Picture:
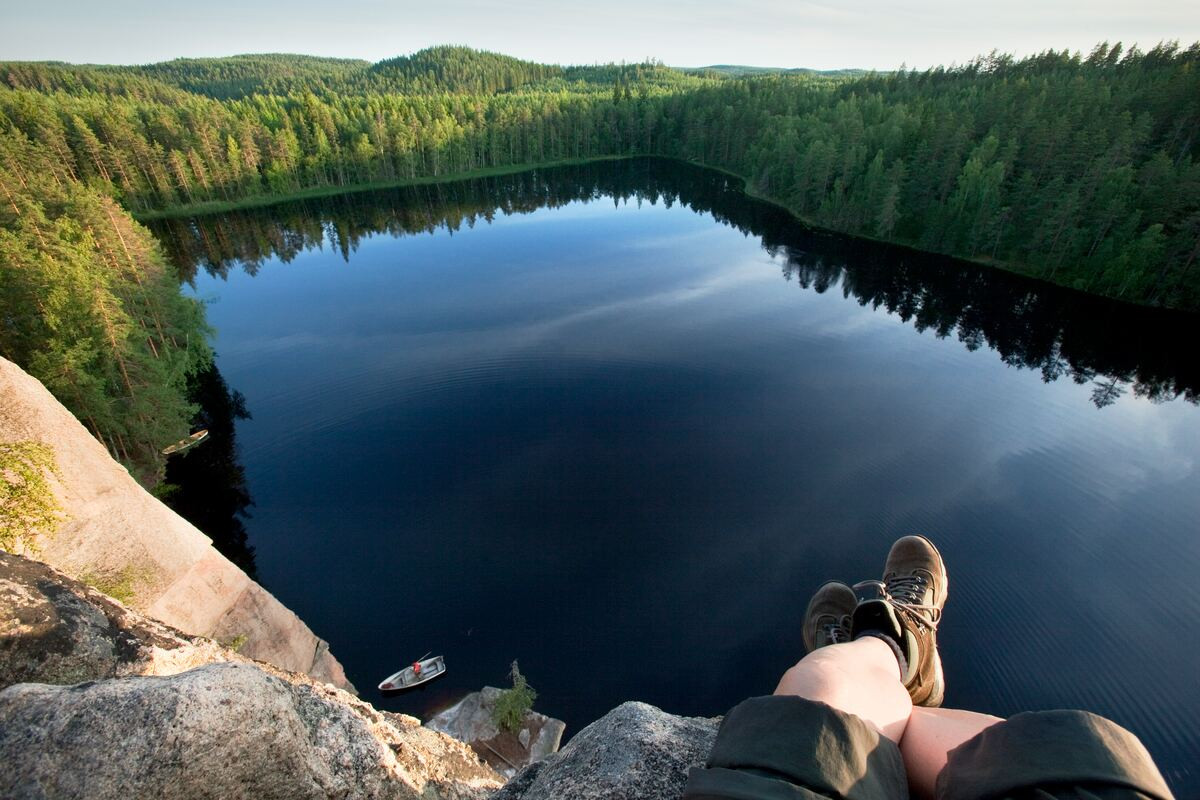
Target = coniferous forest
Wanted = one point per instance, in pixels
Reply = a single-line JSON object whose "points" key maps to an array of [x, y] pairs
{"points": [[1083, 170]]}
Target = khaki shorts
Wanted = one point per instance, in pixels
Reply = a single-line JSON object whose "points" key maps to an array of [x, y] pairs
{"points": [[778, 748]]}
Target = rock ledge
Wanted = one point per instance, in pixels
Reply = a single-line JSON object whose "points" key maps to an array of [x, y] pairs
{"points": [[155, 712], [633, 751]]}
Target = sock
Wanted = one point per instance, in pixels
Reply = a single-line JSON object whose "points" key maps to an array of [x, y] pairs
{"points": [[892, 643]]}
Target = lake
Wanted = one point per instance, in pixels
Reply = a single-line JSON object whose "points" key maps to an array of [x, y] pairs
{"points": [[619, 421]]}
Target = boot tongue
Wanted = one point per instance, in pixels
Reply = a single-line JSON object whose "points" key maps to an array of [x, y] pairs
{"points": [[876, 616], [874, 612]]}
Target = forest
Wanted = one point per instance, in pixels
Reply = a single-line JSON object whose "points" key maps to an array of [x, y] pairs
{"points": [[1082, 170]]}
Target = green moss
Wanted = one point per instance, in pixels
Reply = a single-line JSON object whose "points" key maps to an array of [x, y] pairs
{"points": [[27, 504], [120, 585], [236, 643]]}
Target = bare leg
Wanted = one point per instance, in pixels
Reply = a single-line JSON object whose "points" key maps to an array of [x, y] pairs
{"points": [[860, 678], [931, 733]]}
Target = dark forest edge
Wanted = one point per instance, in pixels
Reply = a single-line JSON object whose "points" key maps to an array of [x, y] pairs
{"points": [[318, 192], [1077, 170], [206, 485]]}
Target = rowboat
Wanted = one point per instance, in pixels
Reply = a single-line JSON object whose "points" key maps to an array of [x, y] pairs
{"points": [[411, 677], [184, 444]]}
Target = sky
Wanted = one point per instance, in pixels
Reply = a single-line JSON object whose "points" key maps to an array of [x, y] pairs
{"points": [[870, 34]]}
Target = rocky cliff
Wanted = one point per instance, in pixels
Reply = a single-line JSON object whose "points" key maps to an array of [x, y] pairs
{"points": [[113, 531], [99, 699], [153, 712], [150, 711]]}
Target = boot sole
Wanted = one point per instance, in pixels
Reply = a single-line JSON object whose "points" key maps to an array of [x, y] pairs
{"points": [[939, 687], [939, 680]]}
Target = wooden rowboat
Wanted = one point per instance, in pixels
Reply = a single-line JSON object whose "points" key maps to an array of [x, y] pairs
{"points": [[409, 678], [184, 444]]}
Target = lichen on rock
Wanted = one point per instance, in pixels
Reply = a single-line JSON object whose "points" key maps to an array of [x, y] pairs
{"points": [[28, 508]]}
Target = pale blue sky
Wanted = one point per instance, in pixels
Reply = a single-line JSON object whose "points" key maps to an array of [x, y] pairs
{"points": [[789, 33]]}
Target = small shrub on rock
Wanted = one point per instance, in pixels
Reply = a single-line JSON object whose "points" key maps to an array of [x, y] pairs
{"points": [[513, 704]]}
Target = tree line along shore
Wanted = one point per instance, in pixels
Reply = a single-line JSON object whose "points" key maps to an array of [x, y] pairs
{"points": [[1083, 170]]}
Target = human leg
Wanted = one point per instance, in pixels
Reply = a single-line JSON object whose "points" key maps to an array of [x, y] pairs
{"points": [[892, 662], [893, 654], [862, 677], [929, 736], [831, 728], [859, 678], [904, 610], [874, 659]]}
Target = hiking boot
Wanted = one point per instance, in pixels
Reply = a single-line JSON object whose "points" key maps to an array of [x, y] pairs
{"points": [[827, 619], [906, 607]]}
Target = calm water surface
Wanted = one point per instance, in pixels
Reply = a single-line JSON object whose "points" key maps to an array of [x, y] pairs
{"points": [[619, 422]]}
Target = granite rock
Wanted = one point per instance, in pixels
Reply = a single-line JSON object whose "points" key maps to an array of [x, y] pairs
{"points": [[156, 712], [57, 630], [634, 751], [223, 730]]}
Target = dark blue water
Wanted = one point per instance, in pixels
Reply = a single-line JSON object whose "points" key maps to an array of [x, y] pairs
{"points": [[623, 440]]}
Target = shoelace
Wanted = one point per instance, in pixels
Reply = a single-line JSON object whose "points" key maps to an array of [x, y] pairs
{"points": [[837, 629], [905, 593]]}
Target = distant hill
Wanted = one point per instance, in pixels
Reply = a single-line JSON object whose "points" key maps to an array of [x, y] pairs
{"points": [[468, 71], [442, 69], [256, 73], [743, 71], [224, 78], [462, 69]]}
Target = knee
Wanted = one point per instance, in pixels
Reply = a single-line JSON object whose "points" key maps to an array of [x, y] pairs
{"points": [[818, 676]]}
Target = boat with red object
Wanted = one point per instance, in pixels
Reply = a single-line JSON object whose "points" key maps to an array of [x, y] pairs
{"points": [[423, 670]]}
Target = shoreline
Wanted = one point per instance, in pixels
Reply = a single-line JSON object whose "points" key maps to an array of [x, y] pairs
{"points": [[209, 207]]}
